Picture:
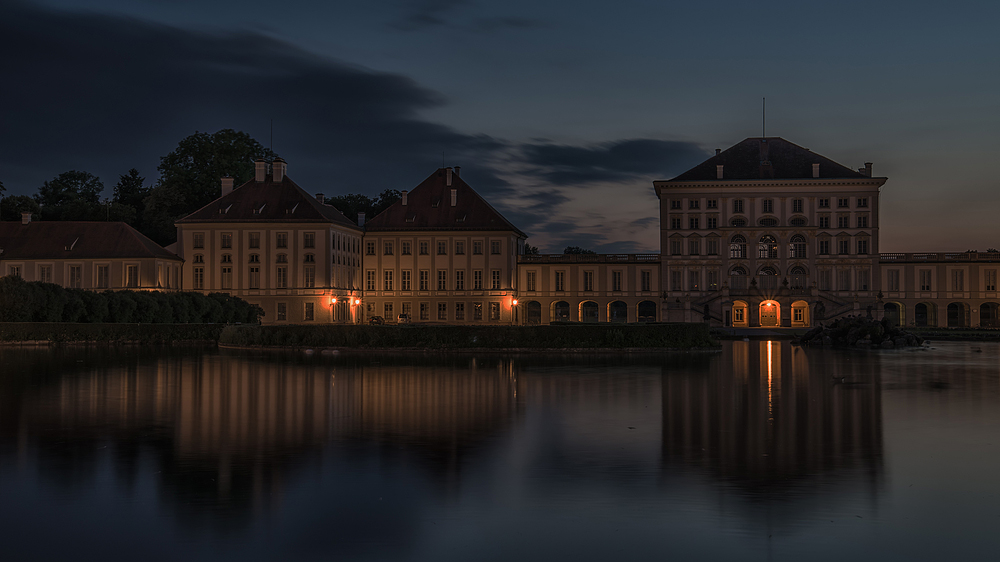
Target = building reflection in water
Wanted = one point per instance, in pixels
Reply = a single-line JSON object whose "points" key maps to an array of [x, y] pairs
{"points": [[777, 421]]}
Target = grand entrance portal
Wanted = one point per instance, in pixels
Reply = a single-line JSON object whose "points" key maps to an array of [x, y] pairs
{"points": [[769, 314]]}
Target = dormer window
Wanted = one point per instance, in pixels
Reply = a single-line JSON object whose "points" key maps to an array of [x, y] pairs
{"points": [[436, 203]]}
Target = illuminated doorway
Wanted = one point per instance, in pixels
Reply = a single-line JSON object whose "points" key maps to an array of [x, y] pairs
{"points": [[769, 314], [800, 314], [740, 314]]}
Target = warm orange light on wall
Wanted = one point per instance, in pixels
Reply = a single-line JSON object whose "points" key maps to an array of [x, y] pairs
{"points": [[514, 302]]}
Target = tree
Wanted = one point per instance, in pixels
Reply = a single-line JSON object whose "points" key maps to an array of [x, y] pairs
{"points": [[530, 250], [190, 174], [130, 192], [354, 203], [577, 250], [11, 207], [72, 195]]}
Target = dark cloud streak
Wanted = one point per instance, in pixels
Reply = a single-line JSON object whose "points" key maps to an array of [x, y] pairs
{"points": [[613, 161]]}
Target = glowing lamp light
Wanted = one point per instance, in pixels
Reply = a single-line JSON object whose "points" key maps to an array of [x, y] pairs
{"points": [[514, 302], [333, 300], [357, 301]]}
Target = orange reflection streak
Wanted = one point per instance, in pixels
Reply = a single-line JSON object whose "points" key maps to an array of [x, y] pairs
{"points": [[770, 411]]}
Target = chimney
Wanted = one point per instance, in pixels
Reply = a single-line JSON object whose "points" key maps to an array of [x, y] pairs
{"points": [[321, 198], [448, 178], [25, 217], [868, 169], [816, 170], [227, 185], [278, 169], [718, 172], [454, 197], [457, 170], [260, 170], [361, 219], [404, 197], [718, 151]]}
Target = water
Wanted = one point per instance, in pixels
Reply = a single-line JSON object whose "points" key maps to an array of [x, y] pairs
{"points": [[764, 451]]}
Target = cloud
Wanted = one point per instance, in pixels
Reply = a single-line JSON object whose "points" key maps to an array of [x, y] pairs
{"points": [[611, 161], [421, 14]]}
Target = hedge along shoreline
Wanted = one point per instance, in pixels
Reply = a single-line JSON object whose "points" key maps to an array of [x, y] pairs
{"points": [[43, 333], [619, 337], [34, 301]]}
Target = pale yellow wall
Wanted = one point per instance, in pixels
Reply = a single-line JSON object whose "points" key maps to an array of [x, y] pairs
{"points": [[154, 273]]}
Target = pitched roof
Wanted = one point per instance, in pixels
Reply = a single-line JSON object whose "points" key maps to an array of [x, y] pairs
{"points": [[48, 240], [766, 158], [268, 201], [428, 207]]}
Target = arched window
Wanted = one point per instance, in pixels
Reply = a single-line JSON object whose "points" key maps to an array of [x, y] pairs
{"points": [[767, 248], [767, 277], [797, 247], [767, 270], [738, 278], [738, 247], [738, 222], [768, 221], [797, 270], [799, 277]]}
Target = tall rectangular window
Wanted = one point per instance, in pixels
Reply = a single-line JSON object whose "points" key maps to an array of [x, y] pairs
{"points": [[387, 249], [282, 312], [925, 280], [459, 280], [675, 280], [712, 246], [694, 280], [227, 277], [560, 280], [824, 221], [647, 280], [459, 248], [309, 312], [862, 246], [281, 240], [281, 277], [713, 279], [104, 276], [424, 247], [425, 311], [494, 312], [529, 281], [712, 223], [990, 278], [495, 247], [387, 311], [824, 203], [892, 279], [477, 311], [75, 277], [309, 240], [199, 240], [132, 275], [844, 246], [442, 248], [370, 280], [404, 248], [495, 279], [712, 204], [309, 276], [460, 311], [737, 205], [676, 246], [957, 280], [694, 246], [824, 247], [843, 279], [15, 270], [370, 248], [844, 221], [424, 279], [442, 311], [254, 280], [588, 280], [862, 221], [796, 205], [226, 240], [477, 280], [616, 280], [825, 280], [442, 280], [404, 280], [694, 203], [863, 279], [477, 247], [254, 240], [693, 223], [767, 205], [862, 201], [387, 280], [675, 204]]}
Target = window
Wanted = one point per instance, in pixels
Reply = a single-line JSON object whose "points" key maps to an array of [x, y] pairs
{"points": [[675, 280], [281, 258], [797, 247], [862, 246], [925, 280], [844, 280], [495, 279], [309, 258], [738, 247], [863, 277], [425, 311], [796, 205], [824, 221], [676, 247], [387, 249], [798, 221], [693, 223], [281, 277], [387, 311], [675, 223], [560, 280], [404, 248], [308, 314], [712, 246], [199, 258], [75, 277], [477, 280], [254, 240], [459, 248], [404, 280], [616, 280], [227, 277], [477, 247], [442, 248], [824, 203], [825, 280], [309, 240], [693, 203], [767, 248], [370, 280], [892, 276], [15, 270], [862, 201], [226, 240], [477, 311], [282, 311], [254, 258], [131, 275], [459, 311], [713, 279], [990, 277], [768, 221], [738, 222], [442, 280], [646, 280], [957, 280], [530, 281], [494, 311], [460, 280], [104, 276], [843, 202], [588, 280], [737, 205], [281, 241], [675, 204], [862, 221], [309, 276], [424, 248], [442, 311], [254, 277], [370, 248], [843, 246], [407, 310], [387, 280], [227, 258], [199, 240], [694, 280], [712, 204], [713, 222], [495, 247], [694, 246], [425, 277], [767, 205]]}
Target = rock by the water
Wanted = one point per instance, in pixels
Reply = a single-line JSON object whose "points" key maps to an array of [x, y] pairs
{"points": [[860, 332]]}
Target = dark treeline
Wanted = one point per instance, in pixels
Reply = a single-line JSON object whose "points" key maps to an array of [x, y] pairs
{"points": [[23, 301]]}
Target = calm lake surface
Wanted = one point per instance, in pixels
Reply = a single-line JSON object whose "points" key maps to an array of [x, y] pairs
{"points": [[763, 451]]}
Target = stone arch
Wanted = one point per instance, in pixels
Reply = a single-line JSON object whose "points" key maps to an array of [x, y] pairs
{"points": [[533, 312], [925, 314], [740, 314], [769, 313], [958, 315], [988, 315], [645, 311], [800, 314], [589, 312], [559, 312], [617, 312], [895, 313]]}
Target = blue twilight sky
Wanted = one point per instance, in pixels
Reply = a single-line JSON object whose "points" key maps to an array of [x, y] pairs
{"points": [[560, 113]]}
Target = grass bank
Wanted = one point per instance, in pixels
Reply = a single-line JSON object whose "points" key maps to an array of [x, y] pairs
{"points": [[66, 332], [577, 336]]}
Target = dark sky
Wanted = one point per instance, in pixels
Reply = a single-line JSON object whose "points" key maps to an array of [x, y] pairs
{"points": [[561, 113]]}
